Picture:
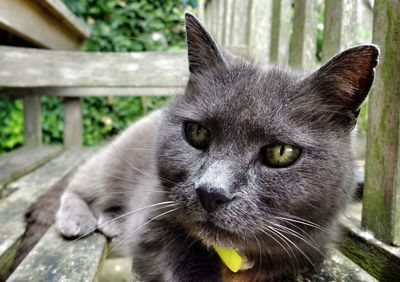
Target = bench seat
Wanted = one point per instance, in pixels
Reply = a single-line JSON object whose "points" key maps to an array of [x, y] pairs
{"points": [[56, 259]]}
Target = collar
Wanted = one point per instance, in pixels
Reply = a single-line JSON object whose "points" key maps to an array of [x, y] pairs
{"points": [[233, 260]]}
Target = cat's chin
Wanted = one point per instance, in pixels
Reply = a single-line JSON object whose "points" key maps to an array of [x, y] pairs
{"points": [[211, 234]]}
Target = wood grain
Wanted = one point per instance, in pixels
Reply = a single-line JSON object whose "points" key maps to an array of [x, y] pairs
{"points": [[24, 67]]}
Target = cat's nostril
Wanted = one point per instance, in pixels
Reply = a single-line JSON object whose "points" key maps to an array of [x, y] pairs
{"points": [[211, 200]]}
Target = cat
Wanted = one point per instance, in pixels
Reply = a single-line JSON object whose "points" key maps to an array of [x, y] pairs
{"points": [[252, 158]]}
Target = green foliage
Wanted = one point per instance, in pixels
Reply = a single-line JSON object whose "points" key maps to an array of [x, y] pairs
{"points": [[320, 29], [11, 123], [107, 117], [116, 26], [362, 120], [121, 26], [52, 119], [131, 25]]}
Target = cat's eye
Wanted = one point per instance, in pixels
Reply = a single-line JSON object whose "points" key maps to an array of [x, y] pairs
{"points": [[280, 155], [197, 135]]}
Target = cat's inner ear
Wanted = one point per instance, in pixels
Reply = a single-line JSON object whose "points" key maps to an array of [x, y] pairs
{"points": [[347, 77], [203, 52]]}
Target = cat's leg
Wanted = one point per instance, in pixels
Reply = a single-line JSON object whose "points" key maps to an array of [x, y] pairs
{"points": [[110, 222], [167, 253], [74, 217]]}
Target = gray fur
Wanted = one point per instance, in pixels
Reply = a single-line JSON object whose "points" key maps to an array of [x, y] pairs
{"points": [[246, 107]]}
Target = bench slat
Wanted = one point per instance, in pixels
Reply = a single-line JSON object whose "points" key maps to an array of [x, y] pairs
{"points": [[13, 208], [24, 160], [338, 267], [379, 259], [94, 91], [56, 259], [24, 67]]}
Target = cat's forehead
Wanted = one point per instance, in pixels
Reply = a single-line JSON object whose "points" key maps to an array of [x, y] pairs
{"points": [[243, 92], [244, 101]]}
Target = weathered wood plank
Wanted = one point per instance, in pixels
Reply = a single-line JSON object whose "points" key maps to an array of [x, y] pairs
{"points": [[207, 15], [213, 18], [220, 21], [239, 30], [32, 22], [31, 186], [56, 259], [24, 160], [24, 67], [118, 269], [381, 203], [202, 6], [280, 32], [377, 258], [338, 267], [304, 41], [228, 17], [95, 91], [32, 121], [339, 27], [259, 29], [61, 11], [73, 122]]}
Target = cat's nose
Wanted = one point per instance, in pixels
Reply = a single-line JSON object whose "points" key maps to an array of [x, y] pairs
{"points": [[211, 199]]}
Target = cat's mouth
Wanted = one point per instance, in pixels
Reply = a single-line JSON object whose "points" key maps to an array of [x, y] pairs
{"points": [[212, 233], [212, 227]]}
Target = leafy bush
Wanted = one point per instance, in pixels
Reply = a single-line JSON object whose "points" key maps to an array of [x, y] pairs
{"points": [[116, 26], [11, 123], [131, 25]]}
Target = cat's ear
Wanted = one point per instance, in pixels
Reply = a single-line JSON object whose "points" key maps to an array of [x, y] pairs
{"points": [[347, 78], [203, 52]]}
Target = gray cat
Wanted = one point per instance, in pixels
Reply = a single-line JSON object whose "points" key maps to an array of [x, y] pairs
{"points": [[254, 159]]}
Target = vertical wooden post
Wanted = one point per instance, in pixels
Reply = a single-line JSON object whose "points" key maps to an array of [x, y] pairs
{"points": [[207, 15], [214, 17], [259, 28], [239, 33], [202, 11], [381, 200], [303, 41], [280, 31], [228, 22], [73, 126], [32, 124], [339, 26], [220, 21]]}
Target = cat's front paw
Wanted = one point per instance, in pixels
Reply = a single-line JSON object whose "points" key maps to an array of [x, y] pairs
{"points": [[72, 225], [109, 225]]}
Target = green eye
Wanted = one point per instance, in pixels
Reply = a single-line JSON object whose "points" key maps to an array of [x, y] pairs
{"points": [[196, 135], [280, 155]]}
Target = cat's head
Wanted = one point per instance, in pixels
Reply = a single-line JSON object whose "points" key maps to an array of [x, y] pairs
{"points": [[259, 152]]}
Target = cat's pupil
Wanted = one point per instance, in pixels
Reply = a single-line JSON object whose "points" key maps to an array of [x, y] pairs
{"points": [[282, 150], [196, 135], [280, 155]]}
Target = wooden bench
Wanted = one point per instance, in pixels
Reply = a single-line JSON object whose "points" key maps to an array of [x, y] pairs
{"points": [[28, 172]]}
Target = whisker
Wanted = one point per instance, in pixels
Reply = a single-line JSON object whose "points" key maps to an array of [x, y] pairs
{"points": [[121, 216], [134, 167], [130, 191], [139, 228], [302, 231], [293, 218], [123, 179], [297, 235], [260, 258], [139, 149], [283, 247], [290, 241], [304, 222]]}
